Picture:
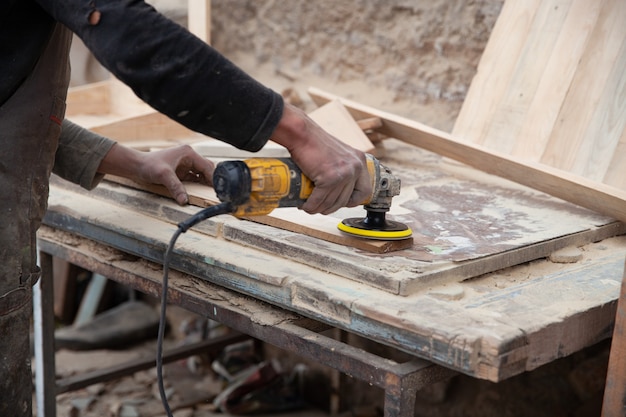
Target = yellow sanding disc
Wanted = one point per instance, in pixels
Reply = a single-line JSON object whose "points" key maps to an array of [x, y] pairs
{"points": [[355, 227]]}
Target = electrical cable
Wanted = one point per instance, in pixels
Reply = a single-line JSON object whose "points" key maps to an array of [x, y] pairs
{"points": [[223, 208]]}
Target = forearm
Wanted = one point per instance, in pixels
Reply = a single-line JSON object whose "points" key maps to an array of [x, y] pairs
{"points": [[167, 167], [79, 155], [122, 161]]}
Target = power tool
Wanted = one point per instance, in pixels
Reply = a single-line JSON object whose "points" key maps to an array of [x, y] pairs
{"points": [[256, 186]]}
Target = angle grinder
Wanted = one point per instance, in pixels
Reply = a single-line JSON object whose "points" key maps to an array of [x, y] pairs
{"points": [[256, 186]]}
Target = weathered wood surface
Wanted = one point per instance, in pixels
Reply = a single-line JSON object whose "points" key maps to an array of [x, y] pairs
{"points": [[465, 223], [491, 327], [551, 88]]}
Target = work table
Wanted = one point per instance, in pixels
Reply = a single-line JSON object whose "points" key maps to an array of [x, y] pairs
{"points": [[489, 325]]}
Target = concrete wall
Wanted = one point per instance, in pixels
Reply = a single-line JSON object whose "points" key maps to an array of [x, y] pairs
{"points": [[419, 50]]}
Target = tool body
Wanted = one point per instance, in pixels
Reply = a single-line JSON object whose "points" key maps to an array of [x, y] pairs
{"points": [[257, 186]]}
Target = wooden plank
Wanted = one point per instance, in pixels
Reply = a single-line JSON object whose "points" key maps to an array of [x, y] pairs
{"points": [[502, 128], [537, 125], [542, 321], [575, 189], [337, 121], [294, 220], [199, 19], [563, 102], [614, 404], [213, 148], [465, 223], [588, 84], [608, 121], [496, 67], [615, 175]]}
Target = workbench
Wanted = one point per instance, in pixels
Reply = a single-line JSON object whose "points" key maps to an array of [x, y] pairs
{"points": [[449, 315]]}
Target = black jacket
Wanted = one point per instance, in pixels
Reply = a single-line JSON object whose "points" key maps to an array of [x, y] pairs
{"points": [[169, 68]]}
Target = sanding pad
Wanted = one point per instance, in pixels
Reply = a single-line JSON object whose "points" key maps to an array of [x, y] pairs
{"points": [[387, 230]]}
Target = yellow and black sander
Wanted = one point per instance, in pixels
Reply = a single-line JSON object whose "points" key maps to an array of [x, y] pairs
{"points": [[256, 186]]}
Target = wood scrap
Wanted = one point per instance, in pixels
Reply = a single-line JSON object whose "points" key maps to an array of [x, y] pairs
{"points": [[567, 186], [337, 121]]}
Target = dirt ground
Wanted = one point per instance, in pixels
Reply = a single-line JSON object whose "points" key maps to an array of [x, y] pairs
{"points": [[414, 59]]}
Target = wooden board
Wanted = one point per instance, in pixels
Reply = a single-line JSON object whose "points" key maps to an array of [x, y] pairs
{"points": [[551, 88], [321, 227], [335, 119], [199, 19], [464, 222]]}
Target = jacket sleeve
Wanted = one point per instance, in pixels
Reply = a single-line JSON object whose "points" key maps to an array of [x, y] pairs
{"points": [[79, 154], [172, 70]]}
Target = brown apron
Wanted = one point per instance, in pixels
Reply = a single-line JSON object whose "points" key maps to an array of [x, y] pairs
{"points": [[30, 124]]}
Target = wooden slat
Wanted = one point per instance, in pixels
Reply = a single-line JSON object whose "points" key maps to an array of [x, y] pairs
{"points": [[557, 95], [500, 133], [585, 93], [336, 120], [321, 227], [199, 19], [614, 404], [497, 65], [575, 189], [616, 176], [537, 125]]}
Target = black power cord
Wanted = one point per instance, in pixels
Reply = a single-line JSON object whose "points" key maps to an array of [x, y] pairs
{"points": [[223, 208]]}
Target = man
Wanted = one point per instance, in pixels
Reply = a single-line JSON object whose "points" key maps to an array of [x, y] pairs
{"points": [[167, 67]]}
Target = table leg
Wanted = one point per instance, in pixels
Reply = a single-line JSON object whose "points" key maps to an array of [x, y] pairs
{"points": [[615, 389], [43, 315]]}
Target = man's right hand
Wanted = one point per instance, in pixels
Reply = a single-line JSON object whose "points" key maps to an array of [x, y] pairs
{"points": [[338, 171]]}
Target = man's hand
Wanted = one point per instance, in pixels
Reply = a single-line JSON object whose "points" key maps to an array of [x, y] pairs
{"points": [[168, 167], [338, 171]]}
